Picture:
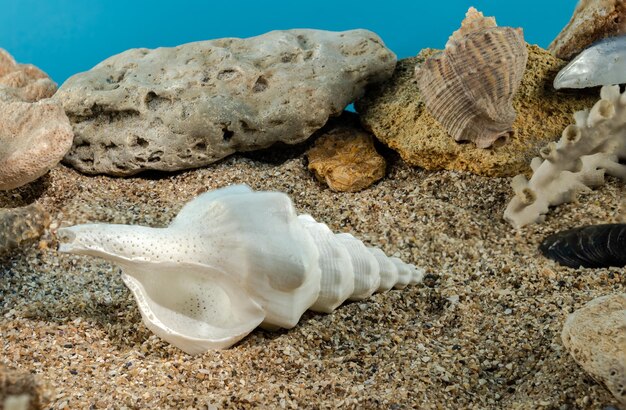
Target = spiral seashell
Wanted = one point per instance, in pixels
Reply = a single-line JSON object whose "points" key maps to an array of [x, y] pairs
{"points": [[595, 246], [234, 259], [469, 87]]}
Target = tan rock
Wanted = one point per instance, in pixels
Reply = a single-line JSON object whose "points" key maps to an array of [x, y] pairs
{"points": [[34, 137], [395, 114], [592, 20], [19, 226], [345, 158], [21, 390], [595, 336], [23, 82]]}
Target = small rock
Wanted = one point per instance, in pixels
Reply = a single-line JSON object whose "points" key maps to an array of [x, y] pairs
{"points": [[34, 138], [345, 158], [188, 106], [21, 390], [595, 336], [395, 114], [592, 20], [21, 225], [23, 82]]}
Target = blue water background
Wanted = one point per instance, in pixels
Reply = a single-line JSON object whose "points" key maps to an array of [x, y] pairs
{"points": [[64, 37]]}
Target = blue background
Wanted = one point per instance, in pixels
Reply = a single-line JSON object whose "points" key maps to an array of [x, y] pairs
{"points": [[64, 37]]}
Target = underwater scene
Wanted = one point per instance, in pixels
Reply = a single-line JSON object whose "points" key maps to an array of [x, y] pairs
{"points": [[356, 205]]}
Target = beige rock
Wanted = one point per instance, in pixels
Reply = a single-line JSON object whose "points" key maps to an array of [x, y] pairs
{"points": [[345, 158], [18, 226], [34, 137], [188, 106], [592, 20], [21, 390], [395, 114], [23, 82], [595, 336]]}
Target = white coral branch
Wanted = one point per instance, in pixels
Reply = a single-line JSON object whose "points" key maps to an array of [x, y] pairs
{"points": [[587, 150]]}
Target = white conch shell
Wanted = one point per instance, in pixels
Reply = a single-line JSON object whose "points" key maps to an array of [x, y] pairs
{"points": [[604, 63], [233, 259]]}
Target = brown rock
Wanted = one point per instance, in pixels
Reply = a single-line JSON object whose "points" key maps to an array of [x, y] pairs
{"points": [[34, 137], [395, 114], [595, 336], [21, 390], [23, 82], [19, 226], [345, 158], [592, 20]]}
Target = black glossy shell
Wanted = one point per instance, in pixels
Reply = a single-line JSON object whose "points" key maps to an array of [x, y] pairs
{"points": [[594, 246]]}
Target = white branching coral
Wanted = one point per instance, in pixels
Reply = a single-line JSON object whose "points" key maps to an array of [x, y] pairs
{"points": [[576, 163]]}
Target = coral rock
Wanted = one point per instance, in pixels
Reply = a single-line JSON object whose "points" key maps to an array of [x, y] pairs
{"points": [[19, 226], [23, 82], [595, 336], [469, 88], [184, 107], [395, 114], [592, 20], [346, 159], [34, 137], [592, 147]]}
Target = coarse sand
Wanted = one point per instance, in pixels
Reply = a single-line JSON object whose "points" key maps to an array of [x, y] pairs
{"points": [[482, 331]]}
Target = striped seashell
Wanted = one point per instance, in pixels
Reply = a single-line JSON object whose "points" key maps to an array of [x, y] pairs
{"points": [[234, 259], [469, 87]]}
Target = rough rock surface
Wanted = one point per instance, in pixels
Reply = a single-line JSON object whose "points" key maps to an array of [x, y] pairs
{"points": [[23, 82], [344, 157], [595, 335], [21, 225], [21, 390], [34, 137], [592, 20], [188, 106], [395, 114]]}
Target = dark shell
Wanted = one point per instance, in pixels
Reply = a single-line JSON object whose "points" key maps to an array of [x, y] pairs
{"points": [[595, 246]]}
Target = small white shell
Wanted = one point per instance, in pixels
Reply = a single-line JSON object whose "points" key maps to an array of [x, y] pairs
{"points": [[233, 259]]}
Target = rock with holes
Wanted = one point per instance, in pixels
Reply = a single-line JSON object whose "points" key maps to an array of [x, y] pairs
{"points": [[595, 336], [23, 82], [395, 113], [188, 106]]}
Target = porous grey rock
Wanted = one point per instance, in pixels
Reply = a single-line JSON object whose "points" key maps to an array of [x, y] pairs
{"points": [[188, 106], [595, 336]]}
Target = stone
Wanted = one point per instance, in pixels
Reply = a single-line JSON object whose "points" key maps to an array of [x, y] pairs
{"points": [[34, 137], [177, 108], [21, 390], [394, 113], [23, 82], [595, 336], [344, 157], [20, 226], [592, 20]]}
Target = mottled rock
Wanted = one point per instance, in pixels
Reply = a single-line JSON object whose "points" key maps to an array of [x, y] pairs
{"points": [[595, 336], [21, 390], [34, 137], [188, 106], [19, 226], [344, 157], [394, 113], [23, 82], [592, 20]]}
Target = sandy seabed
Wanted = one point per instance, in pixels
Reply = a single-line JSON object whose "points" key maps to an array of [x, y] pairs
{"points": [[482, 331]]}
